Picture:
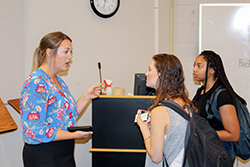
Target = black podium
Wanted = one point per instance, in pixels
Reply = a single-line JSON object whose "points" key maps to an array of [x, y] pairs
{"points": [[117, 140]]}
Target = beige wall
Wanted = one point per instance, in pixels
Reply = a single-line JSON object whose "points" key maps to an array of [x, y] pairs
{"points": [[12, 48], [124, 44]]}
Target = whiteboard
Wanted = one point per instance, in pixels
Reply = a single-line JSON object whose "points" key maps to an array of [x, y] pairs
{"points": [[225, 29]]}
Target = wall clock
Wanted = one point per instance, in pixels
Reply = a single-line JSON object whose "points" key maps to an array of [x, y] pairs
{"points": [[105, 8]]}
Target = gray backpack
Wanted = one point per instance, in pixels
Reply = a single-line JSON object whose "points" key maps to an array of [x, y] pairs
{"points": [[203, 147]]}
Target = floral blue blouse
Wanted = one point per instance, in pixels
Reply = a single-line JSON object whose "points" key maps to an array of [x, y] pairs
{"points": [[45, 108]]}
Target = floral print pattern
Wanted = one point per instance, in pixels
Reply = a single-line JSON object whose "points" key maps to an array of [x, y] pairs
{"points": [[45, 108]]}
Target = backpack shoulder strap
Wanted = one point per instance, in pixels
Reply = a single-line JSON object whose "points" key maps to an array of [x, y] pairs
{"points": [[211, 105], [176, 107]]}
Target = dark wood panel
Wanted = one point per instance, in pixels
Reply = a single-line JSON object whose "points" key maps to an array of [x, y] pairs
{"points": [[15, 103], [103, 159]]}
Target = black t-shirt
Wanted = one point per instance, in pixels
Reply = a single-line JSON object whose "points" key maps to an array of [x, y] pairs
{"points": [[201, 100]]}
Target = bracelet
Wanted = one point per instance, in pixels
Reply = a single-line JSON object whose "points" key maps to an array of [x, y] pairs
{"points": [[147, 138]]}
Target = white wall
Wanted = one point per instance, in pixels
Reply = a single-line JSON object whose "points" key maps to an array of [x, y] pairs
{"points": [[186, 39], [128, 51], [11, 75], [12, 48]]}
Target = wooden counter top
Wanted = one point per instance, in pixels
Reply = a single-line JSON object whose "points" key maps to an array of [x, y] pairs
{"points": [[15, 103]]}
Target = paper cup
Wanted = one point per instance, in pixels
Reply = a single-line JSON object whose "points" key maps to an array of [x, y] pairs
{"points": [[118, 91]]}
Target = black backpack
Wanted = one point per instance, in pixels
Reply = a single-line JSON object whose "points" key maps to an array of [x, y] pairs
{"points": [[203, 147], [242, 147]]}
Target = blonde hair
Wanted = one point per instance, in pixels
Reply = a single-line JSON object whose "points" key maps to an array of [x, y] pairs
{"points": [[50, 41]]}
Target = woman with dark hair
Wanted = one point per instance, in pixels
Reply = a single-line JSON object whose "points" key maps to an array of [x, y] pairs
{"points": [[165, 134], [47, 108], [208, 69]]}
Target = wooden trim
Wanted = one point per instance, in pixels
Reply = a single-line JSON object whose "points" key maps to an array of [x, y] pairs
{"points": [[117, 150], [171, 39], [127, 96], [7, 123], [15, 103]]}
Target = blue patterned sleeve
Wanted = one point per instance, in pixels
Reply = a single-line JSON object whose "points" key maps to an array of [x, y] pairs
{"points": [[37, 128]]}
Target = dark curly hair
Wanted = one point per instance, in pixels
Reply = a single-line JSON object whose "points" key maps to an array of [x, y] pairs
{"points": [[170, 84]]}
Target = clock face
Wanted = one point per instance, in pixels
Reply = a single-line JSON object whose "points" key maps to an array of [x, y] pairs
{"points": [[105, 8]]}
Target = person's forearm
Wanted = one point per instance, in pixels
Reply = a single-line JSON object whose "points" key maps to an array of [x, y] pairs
{"points": [[225, 136], [146, 137], [82, 103], [64, 135]]}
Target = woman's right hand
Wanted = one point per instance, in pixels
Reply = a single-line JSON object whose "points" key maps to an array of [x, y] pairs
{"points": [[65, 135]]}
